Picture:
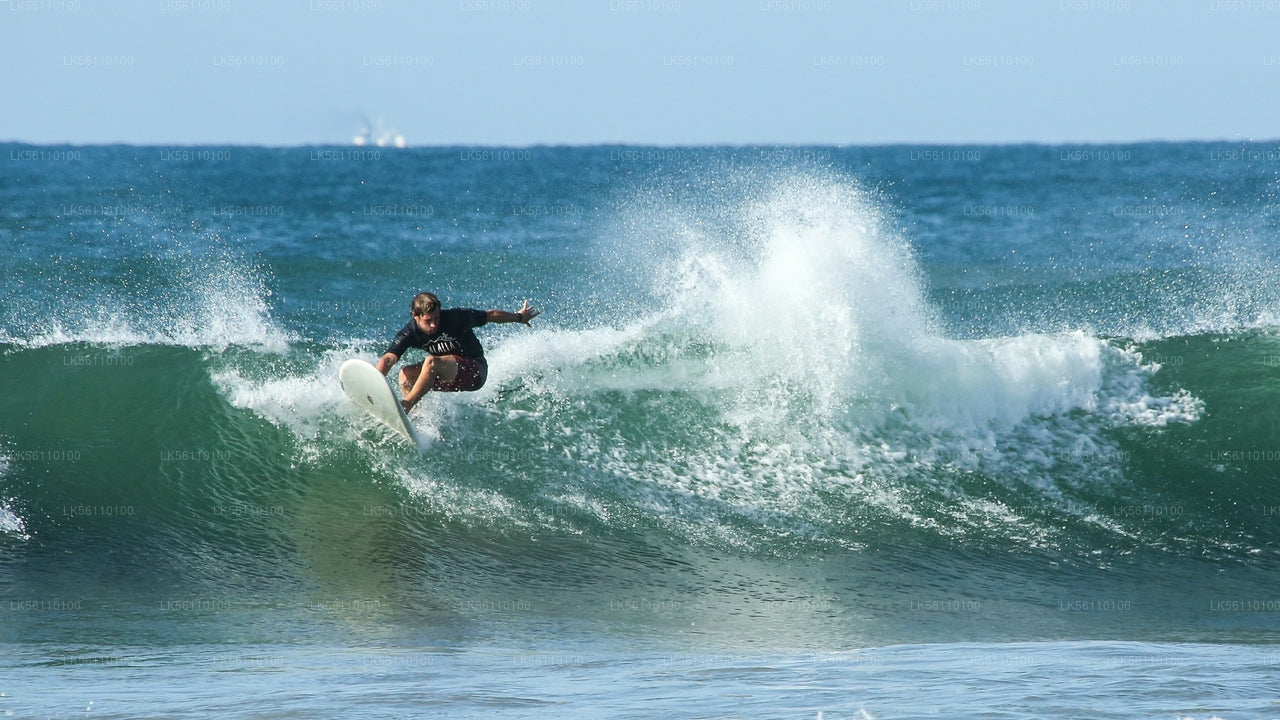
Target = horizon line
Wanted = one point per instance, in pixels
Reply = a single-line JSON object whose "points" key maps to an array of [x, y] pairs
{"points": [[588, 145]]}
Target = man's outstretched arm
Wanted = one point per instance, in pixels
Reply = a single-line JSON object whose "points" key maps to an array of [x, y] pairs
{"points": [[526, 313]]}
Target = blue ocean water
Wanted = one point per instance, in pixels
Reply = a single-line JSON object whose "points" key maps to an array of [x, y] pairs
{"points": [[969, 431]]}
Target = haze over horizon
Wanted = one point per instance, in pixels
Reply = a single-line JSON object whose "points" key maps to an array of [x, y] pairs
{"points": [[644, 72]]}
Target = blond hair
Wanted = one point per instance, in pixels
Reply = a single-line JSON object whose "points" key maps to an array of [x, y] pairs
{"points": [[424, 303]]}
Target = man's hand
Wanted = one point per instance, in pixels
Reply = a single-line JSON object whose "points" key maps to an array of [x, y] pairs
{"points": [[528, 312]]}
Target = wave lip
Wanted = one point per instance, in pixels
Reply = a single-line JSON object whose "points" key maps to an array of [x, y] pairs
{"points": [[208, 300], [812, 308]]}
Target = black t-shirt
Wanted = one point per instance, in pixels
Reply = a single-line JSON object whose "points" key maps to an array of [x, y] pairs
{"points": [[453, 335]]}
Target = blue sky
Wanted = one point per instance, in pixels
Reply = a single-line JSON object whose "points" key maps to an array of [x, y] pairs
{"points": [[667, 72]]}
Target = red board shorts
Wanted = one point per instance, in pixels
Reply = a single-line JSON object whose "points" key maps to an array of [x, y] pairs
{"points": [[471, 376]]}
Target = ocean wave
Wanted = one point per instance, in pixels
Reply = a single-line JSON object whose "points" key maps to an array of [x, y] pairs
{"points": [[780, 380]]}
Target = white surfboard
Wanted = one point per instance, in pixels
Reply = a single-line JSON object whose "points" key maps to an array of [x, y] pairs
{"points": [[369, 389]]}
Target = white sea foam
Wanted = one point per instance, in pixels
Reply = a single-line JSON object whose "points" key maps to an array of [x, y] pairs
{"points": [[10, 523], [801, 322], [214, 302], [304, 401], [296, 402], [820, 317]]}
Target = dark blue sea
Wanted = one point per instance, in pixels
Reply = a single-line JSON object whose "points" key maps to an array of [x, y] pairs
{"points": [[802, 432]]}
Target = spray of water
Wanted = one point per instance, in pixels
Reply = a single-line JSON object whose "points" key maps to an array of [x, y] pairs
{"points": [[778, 370], [793, 317]]}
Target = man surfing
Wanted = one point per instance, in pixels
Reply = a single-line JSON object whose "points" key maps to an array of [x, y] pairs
{"points": [[455, 358]]}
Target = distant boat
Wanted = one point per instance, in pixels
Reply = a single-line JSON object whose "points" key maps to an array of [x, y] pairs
{"points": [[380, 137]]}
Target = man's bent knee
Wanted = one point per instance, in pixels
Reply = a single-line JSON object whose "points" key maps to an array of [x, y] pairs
{"points": [[442, 368]]}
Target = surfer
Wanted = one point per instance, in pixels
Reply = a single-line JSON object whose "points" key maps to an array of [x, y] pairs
{"points": [[455, 359]]}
